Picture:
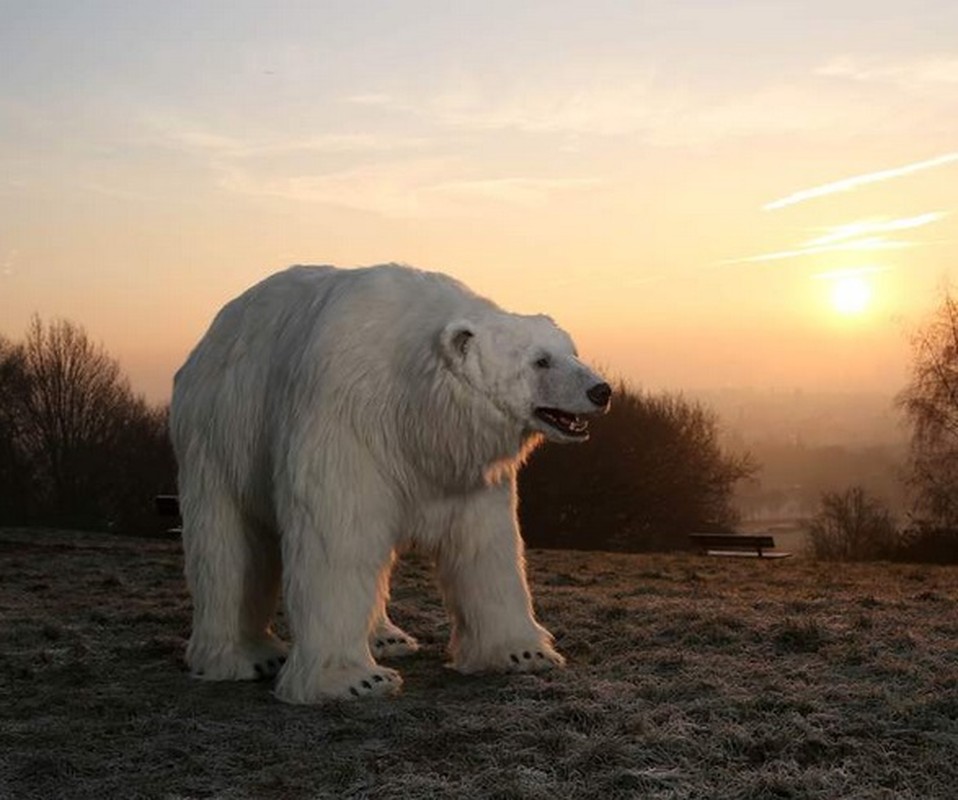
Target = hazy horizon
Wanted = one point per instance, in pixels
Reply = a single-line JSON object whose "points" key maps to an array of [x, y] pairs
{"points": [[704, 195]]}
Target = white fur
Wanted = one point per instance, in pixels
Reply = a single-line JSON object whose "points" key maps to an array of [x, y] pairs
{"points": [[330, 416]]}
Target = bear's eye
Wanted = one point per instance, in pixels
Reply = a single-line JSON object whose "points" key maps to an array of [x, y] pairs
{"points": [[544, 362]]}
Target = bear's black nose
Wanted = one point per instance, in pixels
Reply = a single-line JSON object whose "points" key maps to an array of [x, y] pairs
{"points": [[600, 394]]}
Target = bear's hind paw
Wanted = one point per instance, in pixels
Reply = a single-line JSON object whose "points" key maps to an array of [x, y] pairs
{"points": [[236, 661], [393, 646], [269, 668]]}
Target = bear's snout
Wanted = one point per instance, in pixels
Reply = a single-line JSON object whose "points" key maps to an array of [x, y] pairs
{"points": [[600, 394]]}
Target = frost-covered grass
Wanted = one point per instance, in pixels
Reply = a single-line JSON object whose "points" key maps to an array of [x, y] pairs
{"points": [[688, 677]]}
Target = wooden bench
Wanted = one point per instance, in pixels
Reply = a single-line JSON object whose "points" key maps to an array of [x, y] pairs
{"points": [[737, 544], [168, 505]]}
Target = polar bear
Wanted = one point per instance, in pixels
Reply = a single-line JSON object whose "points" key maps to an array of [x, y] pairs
{"points": [[329, 417]]}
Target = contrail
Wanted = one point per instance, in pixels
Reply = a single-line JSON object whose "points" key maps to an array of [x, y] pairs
{"points": [[860, 180], [867, 243], [863, 227]]}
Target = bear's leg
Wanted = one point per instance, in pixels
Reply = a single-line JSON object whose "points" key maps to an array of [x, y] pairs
{"points": [[233, 571], [331, 585], [482, 577], [387, 639]]}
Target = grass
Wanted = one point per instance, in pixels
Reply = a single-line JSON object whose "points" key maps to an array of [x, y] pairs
{"points": [[688, 677]]}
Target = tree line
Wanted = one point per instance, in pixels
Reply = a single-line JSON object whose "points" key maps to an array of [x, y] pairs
{"points": [[78, 448], [855, 526]]}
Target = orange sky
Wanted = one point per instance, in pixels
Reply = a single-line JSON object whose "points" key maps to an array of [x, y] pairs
{"points": [[680, 184]]}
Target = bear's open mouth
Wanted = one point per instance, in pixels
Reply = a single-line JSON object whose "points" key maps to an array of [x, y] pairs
{"points": [[564, 422]]}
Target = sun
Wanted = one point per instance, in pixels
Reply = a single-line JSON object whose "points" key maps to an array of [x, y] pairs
{"points": [[851, 295]]}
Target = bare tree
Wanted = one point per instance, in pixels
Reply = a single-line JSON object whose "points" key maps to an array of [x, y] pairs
{"points": [[69, 409], [930, 401], [77, 447]]}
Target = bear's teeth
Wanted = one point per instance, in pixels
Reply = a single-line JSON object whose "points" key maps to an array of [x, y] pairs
{"points": [[571, 424]]}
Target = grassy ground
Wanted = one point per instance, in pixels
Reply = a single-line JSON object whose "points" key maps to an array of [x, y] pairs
{"points": [[688, 677]]}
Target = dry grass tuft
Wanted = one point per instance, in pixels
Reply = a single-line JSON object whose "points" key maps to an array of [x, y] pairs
{"points": [[689, 678]]}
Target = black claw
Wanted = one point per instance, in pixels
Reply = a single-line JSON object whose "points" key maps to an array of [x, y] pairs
{"points": [[527, 654], [378, 678], [514, 658], [354, 691]]}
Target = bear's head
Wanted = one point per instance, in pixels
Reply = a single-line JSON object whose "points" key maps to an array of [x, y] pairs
{"points": [[527, 368]]}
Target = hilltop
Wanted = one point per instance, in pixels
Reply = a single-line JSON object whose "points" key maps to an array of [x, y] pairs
{"points": [[688, 677]]}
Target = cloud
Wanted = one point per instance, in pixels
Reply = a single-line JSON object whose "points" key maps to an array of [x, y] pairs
{"points": [[201, 141], [393, 175], [928, 71], [371, 99], [405, 188], [652, 106], [391, 188], [8, 262], [516, 191], [848, 184], [662, 116]]}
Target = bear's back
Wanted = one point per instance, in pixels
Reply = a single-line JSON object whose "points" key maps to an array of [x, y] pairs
{"points": [[303, 307], [316, 332]]}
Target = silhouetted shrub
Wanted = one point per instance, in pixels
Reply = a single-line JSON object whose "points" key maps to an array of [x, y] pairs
{"points": [[853, 526], [926, 545], [651, 473]]}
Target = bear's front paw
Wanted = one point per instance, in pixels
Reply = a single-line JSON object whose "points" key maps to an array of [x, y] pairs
{"points": [[538, 660], [345, 683], [375, 683]]}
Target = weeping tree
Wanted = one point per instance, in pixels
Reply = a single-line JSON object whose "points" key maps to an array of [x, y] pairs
{"points": [[652, 471], [930, 403]]}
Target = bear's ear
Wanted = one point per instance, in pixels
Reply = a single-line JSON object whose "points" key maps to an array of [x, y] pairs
{"points": [[456, 339]]}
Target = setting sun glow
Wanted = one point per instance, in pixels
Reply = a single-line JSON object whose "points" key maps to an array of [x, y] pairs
{"points": [[707, 196], [851, 295]]}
